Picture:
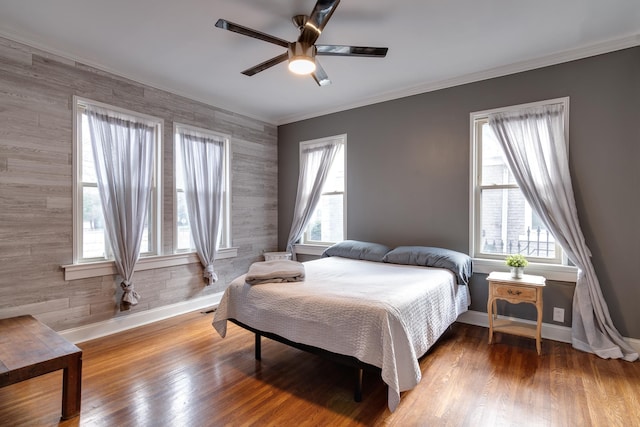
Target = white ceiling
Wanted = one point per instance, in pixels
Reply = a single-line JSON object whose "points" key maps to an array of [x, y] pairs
{"points": [[173, 45]]}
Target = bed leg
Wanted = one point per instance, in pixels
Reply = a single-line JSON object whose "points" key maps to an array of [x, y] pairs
{"points": [[258, 348], [357, 395]]}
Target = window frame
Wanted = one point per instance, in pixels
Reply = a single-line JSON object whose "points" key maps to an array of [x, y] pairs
{"points": [[556, 268], [225, 233], [155, 216], [305, 240]]}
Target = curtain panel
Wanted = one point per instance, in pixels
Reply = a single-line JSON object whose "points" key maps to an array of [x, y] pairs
{"points": [[534, 145], [315, 162], [123, 151], [202, 158]]}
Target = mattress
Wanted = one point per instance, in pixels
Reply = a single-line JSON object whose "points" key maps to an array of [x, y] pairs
{"points": [[386, 315]]}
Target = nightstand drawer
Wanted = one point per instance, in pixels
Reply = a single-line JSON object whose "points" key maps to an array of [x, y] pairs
{"points": [[514, 292]]}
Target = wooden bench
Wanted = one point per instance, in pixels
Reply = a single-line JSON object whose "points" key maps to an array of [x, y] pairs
{"points": [[29, 349]]}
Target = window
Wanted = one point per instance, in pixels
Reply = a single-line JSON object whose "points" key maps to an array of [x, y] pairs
{"points": [[327, 223], [502, 221], [90, 237], [183, 241]]}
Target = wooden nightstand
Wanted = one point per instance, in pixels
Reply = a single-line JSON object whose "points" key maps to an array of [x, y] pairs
{"points": [[529, 290]]}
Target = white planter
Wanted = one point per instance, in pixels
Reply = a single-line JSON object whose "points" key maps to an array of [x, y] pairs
{"points": [[517, 272]]}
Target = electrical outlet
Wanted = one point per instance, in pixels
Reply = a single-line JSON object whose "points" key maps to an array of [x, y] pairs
{"points": [[558, 314]]}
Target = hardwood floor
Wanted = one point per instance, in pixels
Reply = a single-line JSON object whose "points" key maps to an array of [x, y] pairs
{"points": [[179, 372]]}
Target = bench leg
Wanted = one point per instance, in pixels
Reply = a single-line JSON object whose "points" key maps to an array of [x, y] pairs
{"points": [[357, 395], [72, 388], [258, 347]]}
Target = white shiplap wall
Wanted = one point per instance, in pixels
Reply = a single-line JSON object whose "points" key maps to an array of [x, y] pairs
{"points": [[36, 91]]}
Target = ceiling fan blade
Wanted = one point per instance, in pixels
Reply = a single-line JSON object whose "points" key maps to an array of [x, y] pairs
{"points": [[318, 18], [320, 76], [337, 50], [226, 25], [266, 64]]}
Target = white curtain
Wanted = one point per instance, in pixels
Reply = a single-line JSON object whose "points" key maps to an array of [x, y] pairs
{"points": [[202, 158], [533, 140], [315, 162], [123, 152]]}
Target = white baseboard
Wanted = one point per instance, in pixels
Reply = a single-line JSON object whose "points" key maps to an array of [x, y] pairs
{"points": [[123, 323], [133, 320], [549, 331]]}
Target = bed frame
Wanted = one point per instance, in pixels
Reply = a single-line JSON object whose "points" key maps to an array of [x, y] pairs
{"points": [[335, 357]]}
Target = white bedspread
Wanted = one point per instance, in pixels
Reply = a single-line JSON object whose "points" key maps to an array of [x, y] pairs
{"points": [[387, 315]]}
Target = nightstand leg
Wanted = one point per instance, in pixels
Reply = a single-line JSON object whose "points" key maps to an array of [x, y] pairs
{"points": [[491, 311], [539, 326]]}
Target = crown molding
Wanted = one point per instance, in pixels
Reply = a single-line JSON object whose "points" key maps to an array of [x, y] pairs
{"points": [[517, 67]]}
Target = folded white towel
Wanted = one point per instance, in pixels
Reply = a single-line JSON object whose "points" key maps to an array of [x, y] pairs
{"points": [[275, 271]]}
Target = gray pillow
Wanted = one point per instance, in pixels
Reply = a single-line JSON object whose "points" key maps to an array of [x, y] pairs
{"points": [[356, 249], [457, 262]]}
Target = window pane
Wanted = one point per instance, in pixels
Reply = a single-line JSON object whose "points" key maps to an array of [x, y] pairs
{"points": [[88, 166], [145, 243], [335, 179], [183, 227], [508, 226], [93, 241], [326, 222], [178, 167], [494, 169]]}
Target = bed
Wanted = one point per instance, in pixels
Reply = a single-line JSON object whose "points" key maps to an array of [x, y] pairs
{"points": [[384, 311]]}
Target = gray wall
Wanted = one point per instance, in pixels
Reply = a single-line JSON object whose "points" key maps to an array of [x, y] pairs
{"points": [[408, 169], [36, 90]]}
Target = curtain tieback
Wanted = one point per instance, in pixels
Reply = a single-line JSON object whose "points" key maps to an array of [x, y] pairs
{"points": [[210, 274], [130, 295]]}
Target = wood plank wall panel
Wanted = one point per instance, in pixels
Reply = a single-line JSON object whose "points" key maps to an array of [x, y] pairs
{"points": [[36, 98]]}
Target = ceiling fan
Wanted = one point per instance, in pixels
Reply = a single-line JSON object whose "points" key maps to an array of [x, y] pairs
{"points": [[302, 52]]}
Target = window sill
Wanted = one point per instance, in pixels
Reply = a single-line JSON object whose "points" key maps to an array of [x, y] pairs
{"points": [[106, 268], [561, 273], [310, 249]]}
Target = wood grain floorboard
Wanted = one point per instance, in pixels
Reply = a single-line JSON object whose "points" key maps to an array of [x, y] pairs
{"points": [[179, 372]]}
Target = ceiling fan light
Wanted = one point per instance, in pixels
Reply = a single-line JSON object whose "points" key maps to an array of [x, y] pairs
{"points": [[302, 58], [302, 65]]}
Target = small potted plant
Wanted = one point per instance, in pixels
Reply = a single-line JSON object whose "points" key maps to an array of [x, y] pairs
{"points": [[517, 263]]}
